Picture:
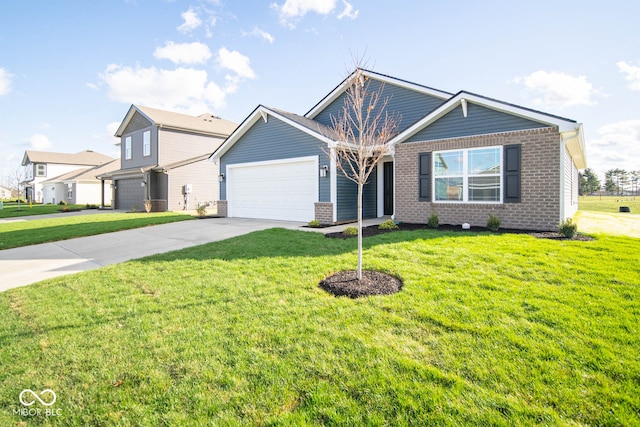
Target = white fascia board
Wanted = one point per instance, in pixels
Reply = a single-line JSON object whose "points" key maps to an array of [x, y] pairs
{"points": [[562, 124], [261, 113], [574, 141], [374, 76]]}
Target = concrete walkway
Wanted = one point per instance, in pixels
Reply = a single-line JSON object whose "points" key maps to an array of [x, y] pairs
{"points": [[30, 264]]}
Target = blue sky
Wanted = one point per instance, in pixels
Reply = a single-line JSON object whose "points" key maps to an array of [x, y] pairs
{"points": [[70, 69]]}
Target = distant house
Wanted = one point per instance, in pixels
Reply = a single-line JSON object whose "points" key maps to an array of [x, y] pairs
{"points": [[43, 166], [163, 158], [80, 186], [461, 156], [5, 193]]}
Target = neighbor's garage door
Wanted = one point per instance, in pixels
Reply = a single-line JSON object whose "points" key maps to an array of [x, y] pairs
{"points": [[129, 193], [282, 190]]}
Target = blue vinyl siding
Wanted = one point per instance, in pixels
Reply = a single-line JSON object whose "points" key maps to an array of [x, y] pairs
{"points": [[411, 105], [274, 140], [480, 120], [348, 199]]}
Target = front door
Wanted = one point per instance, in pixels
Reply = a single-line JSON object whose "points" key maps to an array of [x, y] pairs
{"points": [[388, 188]]}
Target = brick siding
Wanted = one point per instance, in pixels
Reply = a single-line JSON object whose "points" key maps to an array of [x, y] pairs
{"points": [[324, 212], [539, 208]]}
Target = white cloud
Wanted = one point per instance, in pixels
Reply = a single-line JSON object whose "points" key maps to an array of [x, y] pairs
{"points": [[555, 89], [40, 142], [617, 146], [292, 10], [5, 82], [91, 86], [191, 21], [236, 62], [184, 53], [632, 74], [257, 32], [188, 90], [348, 11]]}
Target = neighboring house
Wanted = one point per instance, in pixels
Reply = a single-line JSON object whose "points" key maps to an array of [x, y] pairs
{"points": [[79, 186], [41, 166], [461, 156], [164, 158], [5, 193]]}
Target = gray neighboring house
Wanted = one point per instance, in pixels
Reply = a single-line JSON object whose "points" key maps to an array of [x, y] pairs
{"points": [[461, 156], [163, 158]]}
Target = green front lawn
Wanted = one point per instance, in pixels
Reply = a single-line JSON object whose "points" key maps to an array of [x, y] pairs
{"points": [[31, 232], [490, 329], [12, 210], [609, 203]]}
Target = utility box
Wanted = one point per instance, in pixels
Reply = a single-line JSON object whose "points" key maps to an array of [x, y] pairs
{"points": [[187, 188]]}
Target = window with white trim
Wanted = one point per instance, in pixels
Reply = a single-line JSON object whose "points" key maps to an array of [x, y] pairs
{"points": [[471, 175], [127, 148], [41, 170], [146, 143]]}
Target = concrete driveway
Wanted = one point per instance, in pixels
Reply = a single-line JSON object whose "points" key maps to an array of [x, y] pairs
{"points": [[30, 264]]}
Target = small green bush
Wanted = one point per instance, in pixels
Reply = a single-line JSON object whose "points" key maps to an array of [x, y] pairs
{"points": [[62, 203], [201, 209], [388, 225], [350, 231], [314, 223], [568, 228], [433, 220], [494, 223]]}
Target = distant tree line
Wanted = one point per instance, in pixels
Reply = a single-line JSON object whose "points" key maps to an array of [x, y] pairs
{"points": [[616, 181]]}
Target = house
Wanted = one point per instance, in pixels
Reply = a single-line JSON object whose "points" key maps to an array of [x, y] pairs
{"points": [[164, 158], [5, 193], [461, 156], [80, 186], [41, 166]]}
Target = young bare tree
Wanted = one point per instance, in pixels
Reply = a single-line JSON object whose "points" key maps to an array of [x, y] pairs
{"points": [[16, 179], [363, 129]]}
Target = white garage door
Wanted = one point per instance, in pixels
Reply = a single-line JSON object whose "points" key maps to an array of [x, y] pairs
{"points": [[281, 190]]}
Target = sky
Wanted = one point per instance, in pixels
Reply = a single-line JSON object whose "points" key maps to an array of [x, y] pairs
{"points": [[70, 69]]}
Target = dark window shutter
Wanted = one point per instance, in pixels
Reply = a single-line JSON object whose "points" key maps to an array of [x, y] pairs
{"points": [[424, 176], [512, 172]]}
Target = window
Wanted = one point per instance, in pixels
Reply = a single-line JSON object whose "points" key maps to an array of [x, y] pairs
{"points": [[146, 143], [127, 148], [472, 175], [41, 170], [69, 191]]}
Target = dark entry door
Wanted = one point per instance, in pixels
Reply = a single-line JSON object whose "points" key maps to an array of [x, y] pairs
{"points": [[388, 188]]}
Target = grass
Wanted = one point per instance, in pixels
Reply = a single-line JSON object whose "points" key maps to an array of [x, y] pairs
{"points": [[10, 210], [609, 203], [24, 233], [490, 329]]}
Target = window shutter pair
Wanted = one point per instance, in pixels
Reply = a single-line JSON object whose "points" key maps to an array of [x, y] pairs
{"points": [[511, 170]]}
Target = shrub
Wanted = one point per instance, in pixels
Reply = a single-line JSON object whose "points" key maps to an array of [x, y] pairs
{"points": [[388, 225], [433, 220], [147, 206], [350, 231], [494, 223], [314, 223], [568, 228], [134, 208], [62, 203], [201, 209]]}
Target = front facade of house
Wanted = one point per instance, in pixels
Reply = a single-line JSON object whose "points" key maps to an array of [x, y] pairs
{"points": [[42, 170], [5, 193], [164, 159], [461, 156]]}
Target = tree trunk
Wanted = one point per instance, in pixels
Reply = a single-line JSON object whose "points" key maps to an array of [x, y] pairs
{"points": [[359, 272]]}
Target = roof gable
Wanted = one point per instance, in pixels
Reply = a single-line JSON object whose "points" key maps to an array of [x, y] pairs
{"points": [[411, 99], [83, 158], [308, 126], [207, 124]]}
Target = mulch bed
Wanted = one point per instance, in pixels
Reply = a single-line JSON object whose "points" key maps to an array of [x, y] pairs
{"points": [[373, 230], [345, 283]]}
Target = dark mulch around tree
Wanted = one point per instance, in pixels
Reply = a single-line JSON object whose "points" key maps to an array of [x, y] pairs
{"points": [[373, 230], [345, 283]]}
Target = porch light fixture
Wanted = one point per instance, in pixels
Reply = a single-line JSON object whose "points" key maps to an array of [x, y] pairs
{"points": [[221, 177], [143, 183], [323, 171]]}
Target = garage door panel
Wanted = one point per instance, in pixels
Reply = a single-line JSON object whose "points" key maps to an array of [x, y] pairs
{"points": [[129, 193], [286, 190]]}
